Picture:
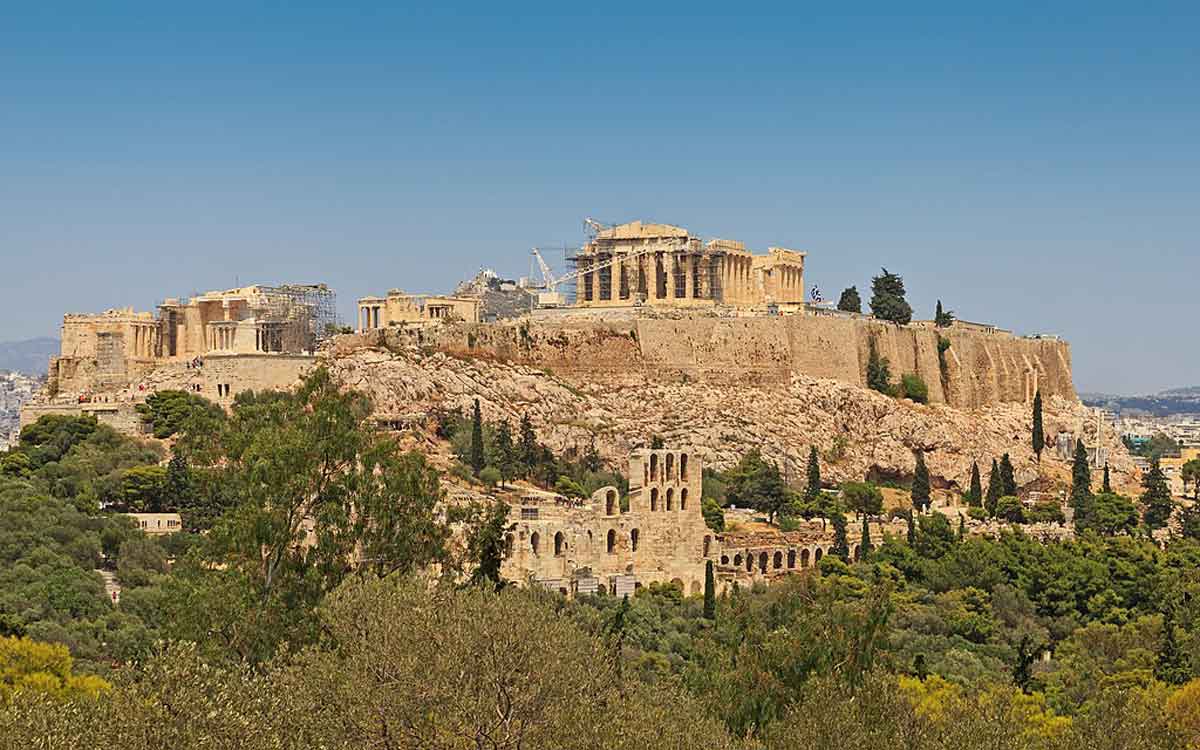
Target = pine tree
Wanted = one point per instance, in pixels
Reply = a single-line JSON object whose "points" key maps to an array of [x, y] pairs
{"points": [[1008, 479], [528, 450], [178, 490], [1039, 433], [995, 489], [1156, 497], [477, 460], [887, 298], [1107, 486], [911, 535], [841, 545], [962, 527], [975, 494], [710, 592], [1170, 664], [920, 484], [1026, 653], [813, 489], [942, 318], [506, 452], [850, 301], [865, 547], [1081, 478]]}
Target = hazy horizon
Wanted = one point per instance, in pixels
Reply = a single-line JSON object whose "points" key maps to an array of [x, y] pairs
{"points": [[1031, 168]]}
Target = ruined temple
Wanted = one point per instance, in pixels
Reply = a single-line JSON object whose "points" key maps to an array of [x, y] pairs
{"points": [[660, 264]]}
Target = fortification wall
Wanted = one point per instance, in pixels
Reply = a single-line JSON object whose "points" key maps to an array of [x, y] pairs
{"points": [[979, 368]]}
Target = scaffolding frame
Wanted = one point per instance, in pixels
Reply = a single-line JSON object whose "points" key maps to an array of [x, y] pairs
{"points": [[306, 314]]}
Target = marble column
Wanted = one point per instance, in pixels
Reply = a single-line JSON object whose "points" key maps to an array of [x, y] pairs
{"points": [[689, 276]]}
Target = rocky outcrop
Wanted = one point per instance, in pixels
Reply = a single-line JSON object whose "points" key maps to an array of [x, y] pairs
{"points": [[858, 432]]}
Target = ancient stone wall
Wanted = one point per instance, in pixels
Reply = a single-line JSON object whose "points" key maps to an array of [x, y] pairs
{"points": [[979, 368]]}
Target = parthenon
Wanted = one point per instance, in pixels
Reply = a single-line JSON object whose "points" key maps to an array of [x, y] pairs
{"points": [[661, 264]]}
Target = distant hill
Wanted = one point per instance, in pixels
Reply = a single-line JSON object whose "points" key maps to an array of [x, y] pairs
{"points": [[30, 357], [1164, 404]]}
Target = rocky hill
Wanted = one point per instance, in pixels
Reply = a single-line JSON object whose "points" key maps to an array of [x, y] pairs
{"points": [[859, 432]]}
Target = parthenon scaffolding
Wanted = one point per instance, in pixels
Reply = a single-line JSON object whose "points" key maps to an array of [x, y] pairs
{"points": [[660, 264]]}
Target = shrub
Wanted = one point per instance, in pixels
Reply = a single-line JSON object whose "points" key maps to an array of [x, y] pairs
{"points": [[913, 387]]}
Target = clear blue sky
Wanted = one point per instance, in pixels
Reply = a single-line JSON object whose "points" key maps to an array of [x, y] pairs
{"points": [[1036, 167]]}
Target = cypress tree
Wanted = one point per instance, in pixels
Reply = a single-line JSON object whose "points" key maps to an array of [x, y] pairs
{"points": [[477, 440], [864, 545], [879, 376], [710, 592], [1156, 497], [1039, 434], [1026, 653], [962, 527], [941, 318], [850, 301], [1081, 478], [528, 450], [841, 545], [887, 299], [919, 668], [1107, 486], [975, 494], [911, 535], [506, 453], [1170, 664], [920, 484], [995, 489], [1008, 480], [813, 490]]}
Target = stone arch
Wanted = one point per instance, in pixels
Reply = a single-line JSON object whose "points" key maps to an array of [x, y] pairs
{"points": [[791, 559], [653, 467], [612, 541], [633, 540], [677, 583], [670, 498], [707, 544], [683, 473], [560, 544], [817, 556], [725, 560], [653, 498], [737, 560], [610, 503], [777, 563], [683, 493], [534, 540], [670, 466], [762, 561], [804, 556], [749, 562]]}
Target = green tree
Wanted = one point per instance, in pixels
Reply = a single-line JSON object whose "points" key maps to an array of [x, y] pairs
{"points": [[1190, 474], [812, 489], [841, 545], [1106, 486], [477, 458], [879, 376], [975, 494], [850, 301], [179, 490], [914, 388], [528, 449], [142, 489], [1106, 514], [995, 489], [1008, 480], [756, 483], [1156, 497], [863, 498], [507, 461], [27, 666], [168, 412], [710, 592], [1009, 508], [714, 516], [1039, 433], [887, 298], [1170, 664], [865, 547], [920, 484], [1081, 477], [942, 318], [486, 525]]}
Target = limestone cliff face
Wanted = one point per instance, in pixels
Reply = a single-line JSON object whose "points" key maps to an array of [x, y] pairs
{"points": [[978, 369], [721, 414]]}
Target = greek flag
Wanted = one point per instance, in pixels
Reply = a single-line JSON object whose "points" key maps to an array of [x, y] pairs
{"points": [[816, 294]]}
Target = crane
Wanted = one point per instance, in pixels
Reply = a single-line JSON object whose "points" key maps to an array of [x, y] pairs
{"points": [[552, 298]]}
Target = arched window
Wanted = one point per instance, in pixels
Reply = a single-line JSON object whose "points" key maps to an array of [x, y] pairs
{"points": [[533, 542], [804, 558], [653, 467], [612, 541], [762, 562], [560, 544], [725, 560], [707, 544], [610, 507], [653, 498], [670, 498], [778, 560], [749, 562], [737, 560], [791, 559], [633, 540], [817, 556], [683, 466], [683, 499], [670, 466], [616, 501]]}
